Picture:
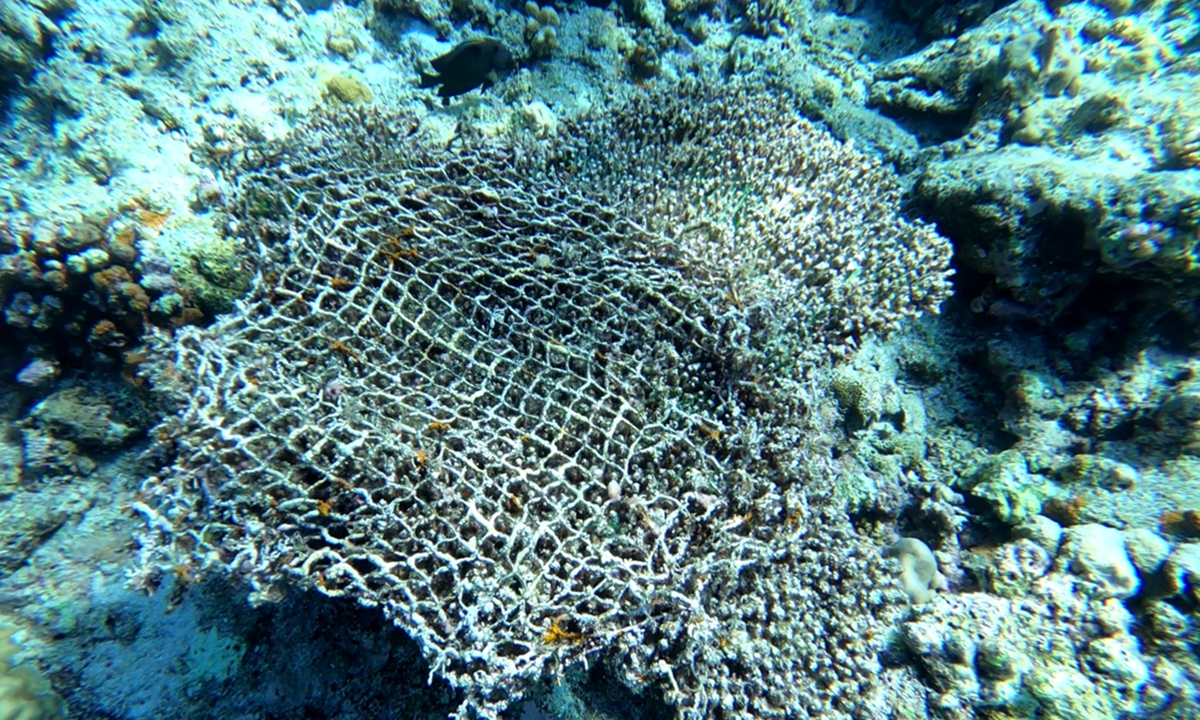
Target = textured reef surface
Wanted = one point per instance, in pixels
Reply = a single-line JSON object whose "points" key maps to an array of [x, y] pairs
{"points": [[687, 359]]}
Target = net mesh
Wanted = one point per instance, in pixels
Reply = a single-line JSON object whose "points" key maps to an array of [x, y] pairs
{"points": [[467, 389]]}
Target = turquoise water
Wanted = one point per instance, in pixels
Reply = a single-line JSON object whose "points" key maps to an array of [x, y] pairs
{"points": [[754, 359]]}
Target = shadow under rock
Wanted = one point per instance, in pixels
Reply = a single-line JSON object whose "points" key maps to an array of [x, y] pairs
{"points": [[206, 653], [315, 657]]}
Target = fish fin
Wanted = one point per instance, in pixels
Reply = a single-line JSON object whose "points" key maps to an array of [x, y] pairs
{"points": [[428, 80]]}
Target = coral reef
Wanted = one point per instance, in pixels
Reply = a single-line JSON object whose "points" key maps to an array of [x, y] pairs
{"points": [[586, 382], [1049, 639], [27, 33], [1052, 166], [581, 425], [68, 288]]}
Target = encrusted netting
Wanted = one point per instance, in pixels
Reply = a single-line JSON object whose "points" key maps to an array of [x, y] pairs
{"points": [[484, 400]]}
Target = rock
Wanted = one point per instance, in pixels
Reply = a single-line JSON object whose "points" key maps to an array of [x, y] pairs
{"points": [[1097, 554], [76, 415], [1182, 570], [1041, 530], [1016, 566], [1147, 549], [1006, 482], [918, 569]]}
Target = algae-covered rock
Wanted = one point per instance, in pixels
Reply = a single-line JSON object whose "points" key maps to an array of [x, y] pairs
{"points": [[1034, 395], [1016, 566], [1058, 652], [221, 276], [886, 427], [1182, 571], [25, 694], [10, 465], [1040, 165], [1165, 623], [1147, 549], [1002, 206], [1064, 693], [1041, 530], [865, 392], [79, 416], [26, 33], [1005, 481], [1099, 471], [1178, 416], [32, 517], [1118, 658], [209, 269], [348, 89]]}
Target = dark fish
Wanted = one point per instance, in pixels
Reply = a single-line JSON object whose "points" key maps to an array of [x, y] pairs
{"points": [[472, 63]]}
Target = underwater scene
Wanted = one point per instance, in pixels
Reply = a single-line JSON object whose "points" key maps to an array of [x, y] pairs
{"points": [[588, 360]]}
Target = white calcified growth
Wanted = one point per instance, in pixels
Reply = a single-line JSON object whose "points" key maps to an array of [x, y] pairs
{"points": [[781, 213], [468, 388]]}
